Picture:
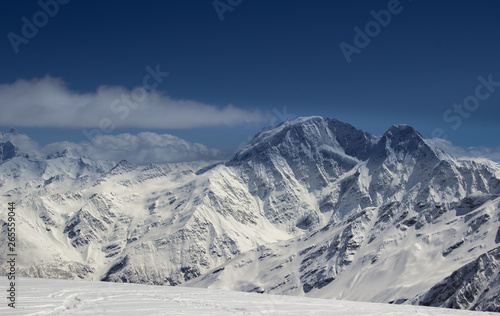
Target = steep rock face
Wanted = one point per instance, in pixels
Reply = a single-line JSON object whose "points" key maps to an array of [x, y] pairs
{"points": [[378, 254], [286, 168], [91, 221], [197, 226], [8, 151], [474, 286]]}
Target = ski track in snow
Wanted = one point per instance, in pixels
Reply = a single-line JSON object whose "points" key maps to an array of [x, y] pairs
{"points": [[61, 297]]}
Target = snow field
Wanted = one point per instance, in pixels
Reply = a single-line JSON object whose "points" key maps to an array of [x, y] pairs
{"points": [[62, 297]]}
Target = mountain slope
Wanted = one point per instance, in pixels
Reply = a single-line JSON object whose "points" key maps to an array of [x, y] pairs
{"points": [[474, 286], [379, 222], [313, 207]]}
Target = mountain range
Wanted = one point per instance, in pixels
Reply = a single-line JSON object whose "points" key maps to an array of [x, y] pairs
{"points": [[312, 207]]}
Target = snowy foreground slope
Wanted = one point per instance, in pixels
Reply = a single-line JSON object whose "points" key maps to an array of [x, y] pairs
{"points": [[313, 207], [61, 297]]}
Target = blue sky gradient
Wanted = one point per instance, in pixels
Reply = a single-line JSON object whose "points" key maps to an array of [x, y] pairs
{"points": [[268, 56]]}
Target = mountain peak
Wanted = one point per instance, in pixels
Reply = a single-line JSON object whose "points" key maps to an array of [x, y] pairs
{"points": [[309, 132], [7, 151], [65, 153], [302, 128], [402, 130], [402, 136], [402, 141], [14, 131], [122, 167]]}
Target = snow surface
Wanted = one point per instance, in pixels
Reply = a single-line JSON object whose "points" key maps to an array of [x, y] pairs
{"points": [[61, 297]]}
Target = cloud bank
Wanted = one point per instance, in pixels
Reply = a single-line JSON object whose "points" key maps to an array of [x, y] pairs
{"points": [[148, 147], [467, 152], [139, 149], [47, 102]]}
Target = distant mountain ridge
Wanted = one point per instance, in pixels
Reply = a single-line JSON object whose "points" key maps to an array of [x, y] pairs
{"points": [[311, 207]]}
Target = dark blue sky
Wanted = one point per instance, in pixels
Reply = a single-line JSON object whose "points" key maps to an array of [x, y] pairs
{"points": [[268, 55]]}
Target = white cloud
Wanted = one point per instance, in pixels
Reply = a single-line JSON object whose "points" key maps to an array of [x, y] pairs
{"points": [[22, 141], [139, 149], [47, 102], [466, 152]]}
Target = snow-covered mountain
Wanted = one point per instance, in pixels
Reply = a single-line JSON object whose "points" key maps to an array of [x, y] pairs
{"points": [[313, 207]]}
